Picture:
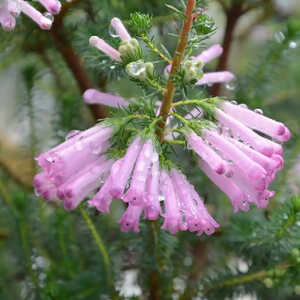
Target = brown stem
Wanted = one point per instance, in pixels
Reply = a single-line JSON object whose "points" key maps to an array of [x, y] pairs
{"points": [[179, 52], [200, 259], [72, 59], [233, 14]]}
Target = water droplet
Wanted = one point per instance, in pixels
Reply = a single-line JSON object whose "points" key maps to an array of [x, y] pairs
{"points": [[259, 111], [292, 44], [72, 133], [49, 16], [279, 37], [136, 68], [112, 32], [231, 85], [112, 67], [233, 102], [243, 105]]}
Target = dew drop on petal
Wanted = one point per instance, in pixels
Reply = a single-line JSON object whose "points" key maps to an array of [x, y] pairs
{"points": [[72, 133], [259, 111], [233, 102], [243, 105], [112, 32], [49, 16]]}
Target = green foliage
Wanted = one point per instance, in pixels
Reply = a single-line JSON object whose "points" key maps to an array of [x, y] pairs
{"points": [[48, 253]]}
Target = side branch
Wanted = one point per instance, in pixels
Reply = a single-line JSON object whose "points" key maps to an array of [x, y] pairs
{"points": [[72, 59]]}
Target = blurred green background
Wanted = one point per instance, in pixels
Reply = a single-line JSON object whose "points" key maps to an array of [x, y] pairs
{"points": [[48, 253]]}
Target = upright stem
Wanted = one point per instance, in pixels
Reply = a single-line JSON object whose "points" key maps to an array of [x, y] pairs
{"points": [[232, 16], [179, 52]]}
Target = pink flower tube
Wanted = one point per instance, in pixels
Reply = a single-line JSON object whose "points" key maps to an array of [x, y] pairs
{"points": [[257, 121], [209, 54], [7, 15], [44, 187], [53, 6], [120, 29], [105, 48], [196, 216], [239, 130], [206, 152], [238, 198], [137, 190], [120, 180], [255, 173], [35, 15], [131, 217], [103, 198], [151, 200], [173, 218], [215, 77], [66, 160], [81, 184], [92, 96]]}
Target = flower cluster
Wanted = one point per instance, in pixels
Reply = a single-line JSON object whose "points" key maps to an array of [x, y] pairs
{"points": [[10, 9], [193, 68], [238, 160], [78, 167], [224, 135]]}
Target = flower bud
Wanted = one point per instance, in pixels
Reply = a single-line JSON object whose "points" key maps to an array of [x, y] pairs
{"points": [[130, 51], [140, 70], [192, 70]]}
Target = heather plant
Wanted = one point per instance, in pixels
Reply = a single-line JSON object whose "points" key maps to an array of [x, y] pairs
{"points": [[127, 207]]}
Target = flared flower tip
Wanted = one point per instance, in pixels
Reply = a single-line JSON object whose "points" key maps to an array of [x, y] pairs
{"points": [[54, 7], [45, 23], [120, 29], [8, 23], [210, 54], [94, 41], [89, 96]]}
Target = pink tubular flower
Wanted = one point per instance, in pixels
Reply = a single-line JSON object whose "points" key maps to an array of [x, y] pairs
{"points": [[92, 96], [206, 152], [205, 57], [35, 15], [44, 187], [196, 215], [251, 161], [239, 130], [215, 77], [209, 54], [130, 218], [105, 48], [120, 29], [253, 171], [121, 178], [151, 200], [257, 121], [238, 198], [103, 198], [62, 162], [137, 190], [53, 6], [7, 15], [83, 183], [173, 218], [73, 169]]}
